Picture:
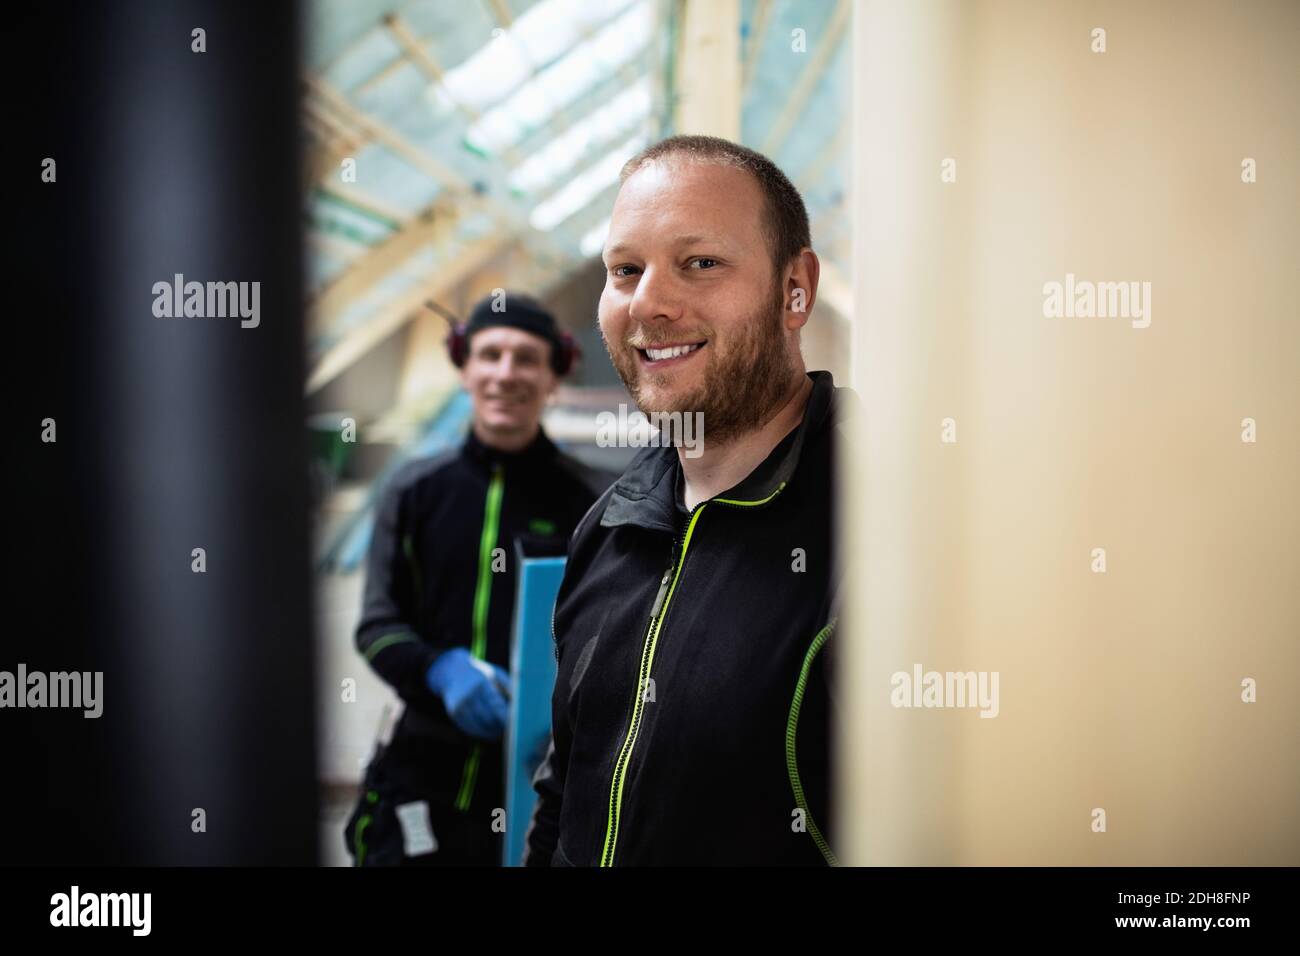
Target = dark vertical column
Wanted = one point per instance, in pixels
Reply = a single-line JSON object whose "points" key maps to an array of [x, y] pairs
{"points": [[173, 434]]}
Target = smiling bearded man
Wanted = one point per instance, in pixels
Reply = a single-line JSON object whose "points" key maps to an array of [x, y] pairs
{"points": [[749, 359], [691, 716]]}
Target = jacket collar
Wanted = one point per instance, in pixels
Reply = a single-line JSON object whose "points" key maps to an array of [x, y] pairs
{"points": [[540, 450], [646, 494]]}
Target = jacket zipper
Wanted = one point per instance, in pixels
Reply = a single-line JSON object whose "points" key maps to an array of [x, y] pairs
{"points": [[647, 659], [667, 587], [482, 600]]}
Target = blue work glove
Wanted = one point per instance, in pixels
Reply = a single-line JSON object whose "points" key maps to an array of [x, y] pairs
{"points": [[472, 690]]}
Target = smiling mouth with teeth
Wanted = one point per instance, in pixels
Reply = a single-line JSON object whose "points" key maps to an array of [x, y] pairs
{"points": [[654, 356]]}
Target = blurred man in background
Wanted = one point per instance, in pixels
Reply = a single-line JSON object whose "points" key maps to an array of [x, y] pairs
{"points": [[440, 587]]}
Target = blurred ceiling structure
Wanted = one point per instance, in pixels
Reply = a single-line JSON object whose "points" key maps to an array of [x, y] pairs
{"points": [[456, 146], [492, 125]]}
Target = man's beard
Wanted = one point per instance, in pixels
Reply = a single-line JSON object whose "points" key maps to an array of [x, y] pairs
{"points": [[741, 387]]}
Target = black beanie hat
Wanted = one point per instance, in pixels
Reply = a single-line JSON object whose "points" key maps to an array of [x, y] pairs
{"points": [[518, 311]]}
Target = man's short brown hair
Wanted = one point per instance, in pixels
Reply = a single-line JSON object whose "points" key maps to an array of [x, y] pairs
{"points": [[785, 219]]}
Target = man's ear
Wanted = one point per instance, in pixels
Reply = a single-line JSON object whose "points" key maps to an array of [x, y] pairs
{"points": [[801, 288]]}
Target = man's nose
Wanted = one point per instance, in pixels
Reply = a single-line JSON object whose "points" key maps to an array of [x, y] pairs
{"points": [[657, 297], [506, 368]]}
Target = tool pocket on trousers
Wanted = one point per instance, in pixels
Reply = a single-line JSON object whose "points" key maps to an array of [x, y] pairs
{"points": [[371, 834]]}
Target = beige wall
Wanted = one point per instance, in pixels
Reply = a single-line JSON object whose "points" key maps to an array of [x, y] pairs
{"points": [[1121, 690]]}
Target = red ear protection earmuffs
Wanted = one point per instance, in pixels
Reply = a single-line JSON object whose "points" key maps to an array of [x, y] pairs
{"points": [[565, 350]]}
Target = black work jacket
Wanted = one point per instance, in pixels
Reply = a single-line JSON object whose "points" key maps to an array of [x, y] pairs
{"points": [[441, 574], [692, 710]]}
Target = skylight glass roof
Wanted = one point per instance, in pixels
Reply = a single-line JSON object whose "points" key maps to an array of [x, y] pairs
{"points": [[559, 84]]}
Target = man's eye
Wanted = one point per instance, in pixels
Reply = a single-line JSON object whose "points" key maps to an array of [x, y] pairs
{"points": [[700, 259], [617, 271]]}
